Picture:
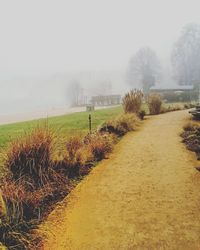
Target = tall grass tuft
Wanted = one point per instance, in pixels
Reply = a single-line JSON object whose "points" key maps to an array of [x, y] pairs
{"points": [[30, 157], [100, 145], [74, 158], [31, 186], [25, 209], [154, 103], [132, 101]]}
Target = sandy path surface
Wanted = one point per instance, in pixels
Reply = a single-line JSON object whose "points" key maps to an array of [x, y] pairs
{"points": [[146, 196]]}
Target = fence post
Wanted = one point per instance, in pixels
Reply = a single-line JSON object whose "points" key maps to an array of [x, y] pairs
{"points": [[90, 123]]}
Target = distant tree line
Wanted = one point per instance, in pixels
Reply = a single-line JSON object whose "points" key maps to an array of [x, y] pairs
{"points": [[144, 67]]}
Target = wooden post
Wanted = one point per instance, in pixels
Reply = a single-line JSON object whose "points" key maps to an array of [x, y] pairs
{"points": [[90, 123]]}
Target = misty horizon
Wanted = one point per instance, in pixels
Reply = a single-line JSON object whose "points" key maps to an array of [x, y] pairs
{"points": [[45, 45]]}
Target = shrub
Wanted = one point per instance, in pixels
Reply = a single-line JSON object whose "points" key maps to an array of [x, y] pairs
{"points": [[121, 125], [13, 228], [191, 126], [191, 137], [154, 102], [30, 188], [189, 105], [80, 152], [171, 108], [29, 157], [100, 145], [75, 157], [126, 123], [25, 209], [132, 101], [73, 144]]}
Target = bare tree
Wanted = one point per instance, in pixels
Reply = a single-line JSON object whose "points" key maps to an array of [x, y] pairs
{"points": [[144, 69], [74, 92], [186, 56]]}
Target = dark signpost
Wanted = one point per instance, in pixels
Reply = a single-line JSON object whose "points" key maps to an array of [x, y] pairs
{"points": [[90, 123]]}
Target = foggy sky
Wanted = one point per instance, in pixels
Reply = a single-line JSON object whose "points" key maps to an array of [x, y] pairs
{"points": [[45, 43], [44, 36]]}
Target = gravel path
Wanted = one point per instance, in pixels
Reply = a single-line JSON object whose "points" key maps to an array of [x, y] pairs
{"points": [[146, 196]]}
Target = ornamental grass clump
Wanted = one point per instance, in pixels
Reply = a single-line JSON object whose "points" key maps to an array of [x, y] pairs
{"points": [[25, 209], [154, 103], [80, 153], [100, 144], [29, 158], [74, 159], [30, 187], [132, 101]]}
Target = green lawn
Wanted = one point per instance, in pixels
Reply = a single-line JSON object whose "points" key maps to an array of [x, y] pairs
{"points": [[65, 125]]}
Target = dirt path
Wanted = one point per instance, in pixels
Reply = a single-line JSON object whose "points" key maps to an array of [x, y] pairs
{"points": [[146, 196]]}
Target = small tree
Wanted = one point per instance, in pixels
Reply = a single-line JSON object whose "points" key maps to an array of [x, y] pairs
{"points": [[132, 101], [154, 103]]}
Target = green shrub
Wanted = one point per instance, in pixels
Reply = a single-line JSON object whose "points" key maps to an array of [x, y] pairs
{"points": [[132, 101], [154, 102]]}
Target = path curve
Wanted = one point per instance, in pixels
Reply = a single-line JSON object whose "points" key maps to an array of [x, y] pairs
{"points": [[146, 196]]}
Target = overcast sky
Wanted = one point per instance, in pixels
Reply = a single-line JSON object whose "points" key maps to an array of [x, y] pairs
{"points": [[44, 36]]}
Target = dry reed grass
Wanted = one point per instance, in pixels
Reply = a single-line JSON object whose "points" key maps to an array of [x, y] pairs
{"points": [[132, 101]]}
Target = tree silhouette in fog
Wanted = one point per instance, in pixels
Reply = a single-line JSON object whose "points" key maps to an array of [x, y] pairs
{"points": [[144, 69], [186, 56]]}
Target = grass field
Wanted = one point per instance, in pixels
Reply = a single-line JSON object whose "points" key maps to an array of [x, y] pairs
{"points": [[65, 125]]}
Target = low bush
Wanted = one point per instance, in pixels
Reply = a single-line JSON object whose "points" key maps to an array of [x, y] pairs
{"points": [[191, 126], [74, 158], [30, 187], [170, 108], [25, 209], [189, 105], [121, 125], [154, 103], [191, 137], [81, 152], [100, 145], [14, 230], [132, 101]]}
